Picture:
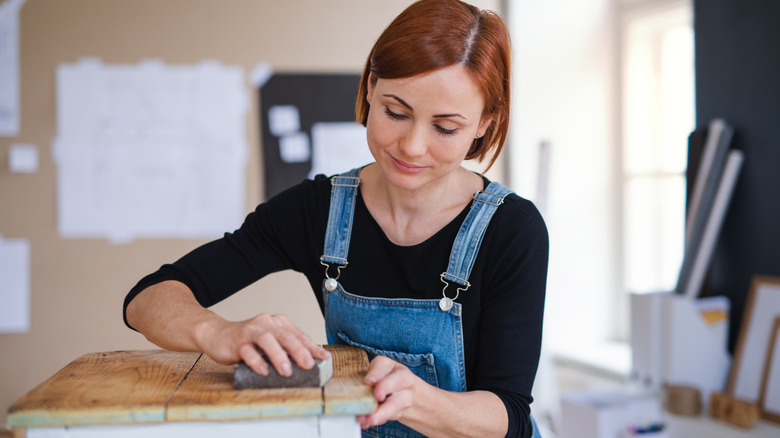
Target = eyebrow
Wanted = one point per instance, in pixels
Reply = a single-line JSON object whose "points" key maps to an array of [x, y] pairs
{"points": [[436, 116]]}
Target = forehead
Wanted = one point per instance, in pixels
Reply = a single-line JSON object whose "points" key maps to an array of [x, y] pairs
{"points": [[446, 88]]}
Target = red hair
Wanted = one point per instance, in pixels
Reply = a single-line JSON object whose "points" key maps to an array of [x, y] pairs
{"points": [[433, 34]]}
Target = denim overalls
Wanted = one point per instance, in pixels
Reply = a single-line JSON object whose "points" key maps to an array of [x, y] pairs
{"points": [[425, 335]]}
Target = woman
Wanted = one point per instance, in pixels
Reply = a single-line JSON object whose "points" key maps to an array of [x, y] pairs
{"points": [[436, 272]]}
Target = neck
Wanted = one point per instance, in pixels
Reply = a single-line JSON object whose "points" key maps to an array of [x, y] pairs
{"points": [[411, 216], [421, 201]]}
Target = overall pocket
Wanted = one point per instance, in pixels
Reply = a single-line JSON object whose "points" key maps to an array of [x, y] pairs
{"points": [[423, 365]]}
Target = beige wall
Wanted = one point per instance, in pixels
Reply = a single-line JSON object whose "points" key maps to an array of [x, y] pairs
{"points": [[77, 286]]}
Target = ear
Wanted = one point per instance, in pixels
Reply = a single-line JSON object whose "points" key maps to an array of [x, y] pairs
{"points": [[484, 124]]}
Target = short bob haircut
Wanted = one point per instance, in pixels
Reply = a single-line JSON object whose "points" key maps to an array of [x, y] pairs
{"points": [[433, 34]]}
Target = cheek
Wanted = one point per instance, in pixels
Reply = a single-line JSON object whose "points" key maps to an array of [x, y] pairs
{"points": [[379, 132], [451, 150]]}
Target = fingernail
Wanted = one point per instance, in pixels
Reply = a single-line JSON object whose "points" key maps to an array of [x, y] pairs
{"points": [[287, 369]]}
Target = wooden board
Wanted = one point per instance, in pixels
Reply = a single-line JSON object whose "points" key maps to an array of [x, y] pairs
{"points": [[345, 393], [208, 394], [157, 386], [105, 388]]}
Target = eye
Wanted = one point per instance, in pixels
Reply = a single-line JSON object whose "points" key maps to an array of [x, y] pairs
{"points": [[394, 116], [444, 131]]}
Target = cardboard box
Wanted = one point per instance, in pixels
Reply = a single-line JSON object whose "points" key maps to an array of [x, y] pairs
{"points": [[607, 413]]}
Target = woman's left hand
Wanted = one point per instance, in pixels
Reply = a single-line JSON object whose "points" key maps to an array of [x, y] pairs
{"points": [[394, 389]]}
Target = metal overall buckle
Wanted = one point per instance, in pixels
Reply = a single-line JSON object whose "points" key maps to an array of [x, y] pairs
{"points": [[446, 303], [332, 283]]}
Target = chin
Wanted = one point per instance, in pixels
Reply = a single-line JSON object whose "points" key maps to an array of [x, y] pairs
{"points": [[410, 181]]}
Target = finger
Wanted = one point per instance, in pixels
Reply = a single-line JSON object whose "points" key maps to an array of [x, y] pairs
{"points": [[320, 352], [270, 345], [399, 380], [378, 369], [363, 421], [316, 350], [385, 388], [391, 409], [253, 359], [295, 348], [301, 348]]}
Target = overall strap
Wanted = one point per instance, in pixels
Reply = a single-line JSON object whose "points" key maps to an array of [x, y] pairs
{"points": [[343, 194], [469, 238]]}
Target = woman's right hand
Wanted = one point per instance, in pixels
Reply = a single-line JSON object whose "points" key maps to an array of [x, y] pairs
{"points": [[228, 342], [169, 316]]}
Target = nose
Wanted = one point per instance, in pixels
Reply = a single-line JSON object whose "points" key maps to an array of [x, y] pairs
{"points": [[414, 143]]}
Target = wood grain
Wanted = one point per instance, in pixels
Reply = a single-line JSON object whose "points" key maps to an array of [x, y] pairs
{"points": [[155, 386], [105, 388], [208, 394], [345, 393]]}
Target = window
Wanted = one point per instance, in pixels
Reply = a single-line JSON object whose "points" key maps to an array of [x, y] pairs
{"points": [[657, 116], [607, 88]]}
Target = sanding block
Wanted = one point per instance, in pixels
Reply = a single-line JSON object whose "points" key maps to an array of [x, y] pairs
{"points": [[245, 378]]}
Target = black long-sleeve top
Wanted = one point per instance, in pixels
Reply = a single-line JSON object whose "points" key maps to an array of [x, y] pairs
{"points": [[502, 310]]}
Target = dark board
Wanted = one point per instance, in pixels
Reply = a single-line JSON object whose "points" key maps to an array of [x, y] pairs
{"points": [[737, 50], [319, 98]]}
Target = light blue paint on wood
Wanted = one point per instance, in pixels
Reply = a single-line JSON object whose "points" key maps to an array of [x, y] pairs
{"points": [[246, 412], [38, 418], [362, 406]]}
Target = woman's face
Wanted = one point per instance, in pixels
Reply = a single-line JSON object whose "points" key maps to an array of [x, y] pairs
{"points": [[421, 128]]}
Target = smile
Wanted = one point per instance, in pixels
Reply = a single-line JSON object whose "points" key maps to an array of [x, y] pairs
{"points": [[406, 167]]}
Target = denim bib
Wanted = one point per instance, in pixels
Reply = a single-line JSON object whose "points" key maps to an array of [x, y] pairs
{"points": [[425, 335]]}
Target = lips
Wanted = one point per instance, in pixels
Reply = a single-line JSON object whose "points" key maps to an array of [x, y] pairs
{"points": [[406, 167]]}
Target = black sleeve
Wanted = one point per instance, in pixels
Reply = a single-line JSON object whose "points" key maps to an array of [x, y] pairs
{"points": [[283, 233], [510, 332]]}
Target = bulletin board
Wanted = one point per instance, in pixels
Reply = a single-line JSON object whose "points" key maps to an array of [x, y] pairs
{"points": [[312, 98]]}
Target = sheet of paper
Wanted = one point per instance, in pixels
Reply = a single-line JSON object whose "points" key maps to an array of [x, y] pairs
{"points": [[23, 158], [14, 285], [338, 147], [150, 150], [260, 74], [9, 67], [283, 120], [294, 148]]}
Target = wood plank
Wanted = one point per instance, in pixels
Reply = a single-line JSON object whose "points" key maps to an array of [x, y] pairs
{"points": [[154, 386], [345, 393], [105, 388], [208, 395]]}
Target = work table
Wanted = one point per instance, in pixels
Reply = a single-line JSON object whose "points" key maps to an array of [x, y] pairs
{"points": [[121, 389]]}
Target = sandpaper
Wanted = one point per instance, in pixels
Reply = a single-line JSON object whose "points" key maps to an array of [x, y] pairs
{"points": [[245, 378]]}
